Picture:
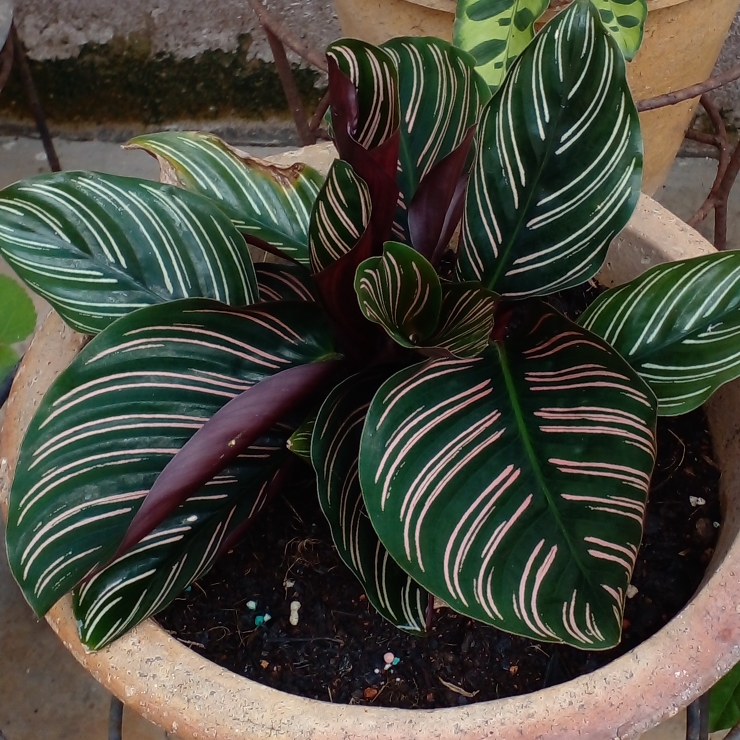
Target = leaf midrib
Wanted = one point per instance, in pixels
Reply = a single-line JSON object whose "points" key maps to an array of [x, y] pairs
{"points": [[534, 460]]}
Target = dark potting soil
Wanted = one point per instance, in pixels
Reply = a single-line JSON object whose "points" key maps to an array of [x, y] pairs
{"points": [[336, 652]]}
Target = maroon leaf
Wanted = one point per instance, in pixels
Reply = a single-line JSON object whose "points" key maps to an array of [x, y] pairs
{"points": [[222, 439], [437, 205]]}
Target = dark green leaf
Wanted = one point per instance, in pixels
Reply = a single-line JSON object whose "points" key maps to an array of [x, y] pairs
{"points": [[130, 400], [99, 246], [284, 282], [334, 450], [678, 325], [513, 486], [724, 702], [559, 163], [264, 200]]}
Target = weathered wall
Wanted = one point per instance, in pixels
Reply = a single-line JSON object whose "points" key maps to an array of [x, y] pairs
{"points": [[113, 67]]}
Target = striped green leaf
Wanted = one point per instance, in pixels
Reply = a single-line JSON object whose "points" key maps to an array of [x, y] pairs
{"points": [[513, 486], [340, 216], [558, 168], [496, 32], [625, 21], [300, 441], [441, 98], [265, 201], [402, 292], [99, 246], [178, 552], [283, 282], [334, 449], [373, 74], [117, 416], [678, 325]]}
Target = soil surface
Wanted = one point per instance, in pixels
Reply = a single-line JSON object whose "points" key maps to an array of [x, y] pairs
{"points": [[336, 651]]}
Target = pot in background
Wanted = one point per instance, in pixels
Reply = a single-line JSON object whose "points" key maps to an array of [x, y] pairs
{"points": [[682, 41]]}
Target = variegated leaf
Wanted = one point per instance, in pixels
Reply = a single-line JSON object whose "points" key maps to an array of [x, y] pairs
{"points": [[401, 292], [178, 552], [99, 246], [558, 169], [678, 325], [283, 282], [340, 216], [441, 98], [625, 21], [265, 201], [116, 417], [513, 486], [495, 33], [465, 319], [334, 450], [300, 441], [373, 73]]}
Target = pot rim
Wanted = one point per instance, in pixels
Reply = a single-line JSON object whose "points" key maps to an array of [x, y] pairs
{"points": [[185, 694]]}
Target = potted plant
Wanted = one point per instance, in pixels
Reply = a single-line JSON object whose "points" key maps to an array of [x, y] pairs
{"points": [[401, 359], [682, 41]]}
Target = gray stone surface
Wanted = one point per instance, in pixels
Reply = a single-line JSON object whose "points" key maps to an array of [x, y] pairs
{"points": [[57, 29]]}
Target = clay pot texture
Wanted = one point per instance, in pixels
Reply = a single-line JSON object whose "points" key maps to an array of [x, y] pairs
{"points": [[682, 41], [191, 697]]}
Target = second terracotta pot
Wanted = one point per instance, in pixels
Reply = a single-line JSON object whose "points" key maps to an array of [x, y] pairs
{"points": [[683, 39]]}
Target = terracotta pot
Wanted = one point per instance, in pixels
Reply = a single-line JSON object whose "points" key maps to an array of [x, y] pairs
{"points": [[193, 698], [682, 41]]}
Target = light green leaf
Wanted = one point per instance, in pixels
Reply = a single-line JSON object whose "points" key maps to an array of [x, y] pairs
{"points": [[17, 314], [559, 162], [678, 325], [263, 200], [496, 32], [625, 21], [513, 486], [8, 359], [334, 449], [99, 246]]}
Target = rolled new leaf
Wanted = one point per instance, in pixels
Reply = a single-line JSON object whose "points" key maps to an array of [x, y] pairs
{"points": [[265, 201], [100, 246], [334, 450], [559, 163], [116, 417], [513, 486], [678, 325]]}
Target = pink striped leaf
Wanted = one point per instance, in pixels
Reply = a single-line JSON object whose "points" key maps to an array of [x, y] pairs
{"points": [[267, 202], [283, 282], [334, 450], [441, 97], [119, 414], [558, 166], [340, 216], [402, 292], [513, 485]]}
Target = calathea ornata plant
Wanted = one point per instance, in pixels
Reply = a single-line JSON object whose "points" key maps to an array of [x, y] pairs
{"points": [[468, 440]]}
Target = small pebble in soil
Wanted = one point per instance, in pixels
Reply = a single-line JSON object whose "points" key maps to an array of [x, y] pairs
{"points": [[294, 608], [388, 658], [697, 501], [259, 620], [632, 591], [251, 605]]}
